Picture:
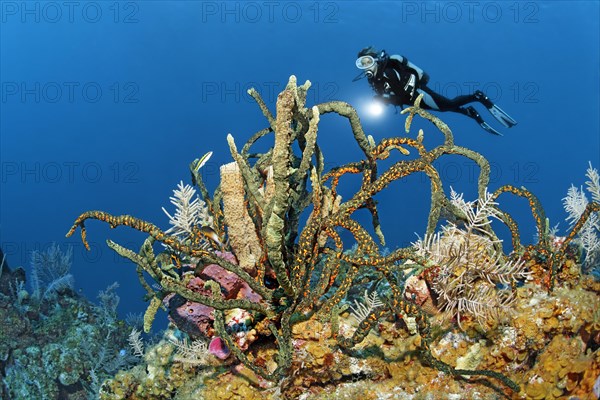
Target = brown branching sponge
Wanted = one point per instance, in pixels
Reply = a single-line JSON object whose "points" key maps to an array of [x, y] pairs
{"points": [[278, 186]]}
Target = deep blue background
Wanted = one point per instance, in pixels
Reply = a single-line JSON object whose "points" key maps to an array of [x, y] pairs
{"points": [[104, 104]]}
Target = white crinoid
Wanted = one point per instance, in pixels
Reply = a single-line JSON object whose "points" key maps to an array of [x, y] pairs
{"points": [[575, 204], [190, 211], [471, 268], [193, 353], [136, 343], [593, 185], [361, 310]]}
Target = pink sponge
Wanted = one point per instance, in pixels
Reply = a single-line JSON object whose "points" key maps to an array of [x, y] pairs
{"points": [[218, 348]]}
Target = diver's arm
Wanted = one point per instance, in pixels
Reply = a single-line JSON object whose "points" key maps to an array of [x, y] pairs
{"points": [[382, 96], [390, 91], [397, 92]]}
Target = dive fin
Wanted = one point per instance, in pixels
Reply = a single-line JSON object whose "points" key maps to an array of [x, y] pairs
{"points": [[496, 111], [472, 112], [502, 116], [488, 128]]}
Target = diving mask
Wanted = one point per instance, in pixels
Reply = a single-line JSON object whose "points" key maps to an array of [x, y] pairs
{"points": [[365, 62]]}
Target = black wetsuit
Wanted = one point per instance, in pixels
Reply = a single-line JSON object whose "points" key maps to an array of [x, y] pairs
{"points": [[392, 85]]}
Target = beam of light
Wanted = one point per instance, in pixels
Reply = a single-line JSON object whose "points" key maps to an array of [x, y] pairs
{"points": [[375, 109]]}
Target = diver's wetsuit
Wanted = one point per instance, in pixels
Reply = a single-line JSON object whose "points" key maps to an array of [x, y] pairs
{"points": [[399, 82], [438, 102], [435, 101]]}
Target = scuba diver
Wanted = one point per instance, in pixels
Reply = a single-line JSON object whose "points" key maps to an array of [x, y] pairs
{"points": [[399, 82]]}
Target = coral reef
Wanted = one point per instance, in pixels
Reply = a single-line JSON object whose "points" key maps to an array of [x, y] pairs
{"points": [[54, 344], [289, 333], [384, 364]]}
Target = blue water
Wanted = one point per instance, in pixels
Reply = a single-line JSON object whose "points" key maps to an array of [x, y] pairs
{"points": [[104, 105]]}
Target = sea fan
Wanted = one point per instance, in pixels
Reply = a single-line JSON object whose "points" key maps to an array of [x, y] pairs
{"points": [[50, 271]]}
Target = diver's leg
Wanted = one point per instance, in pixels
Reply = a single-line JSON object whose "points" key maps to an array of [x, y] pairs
{"points": [[434, 101], [443, 103], [496, 111], [483, 99], [428, 102], [456, 104]]}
